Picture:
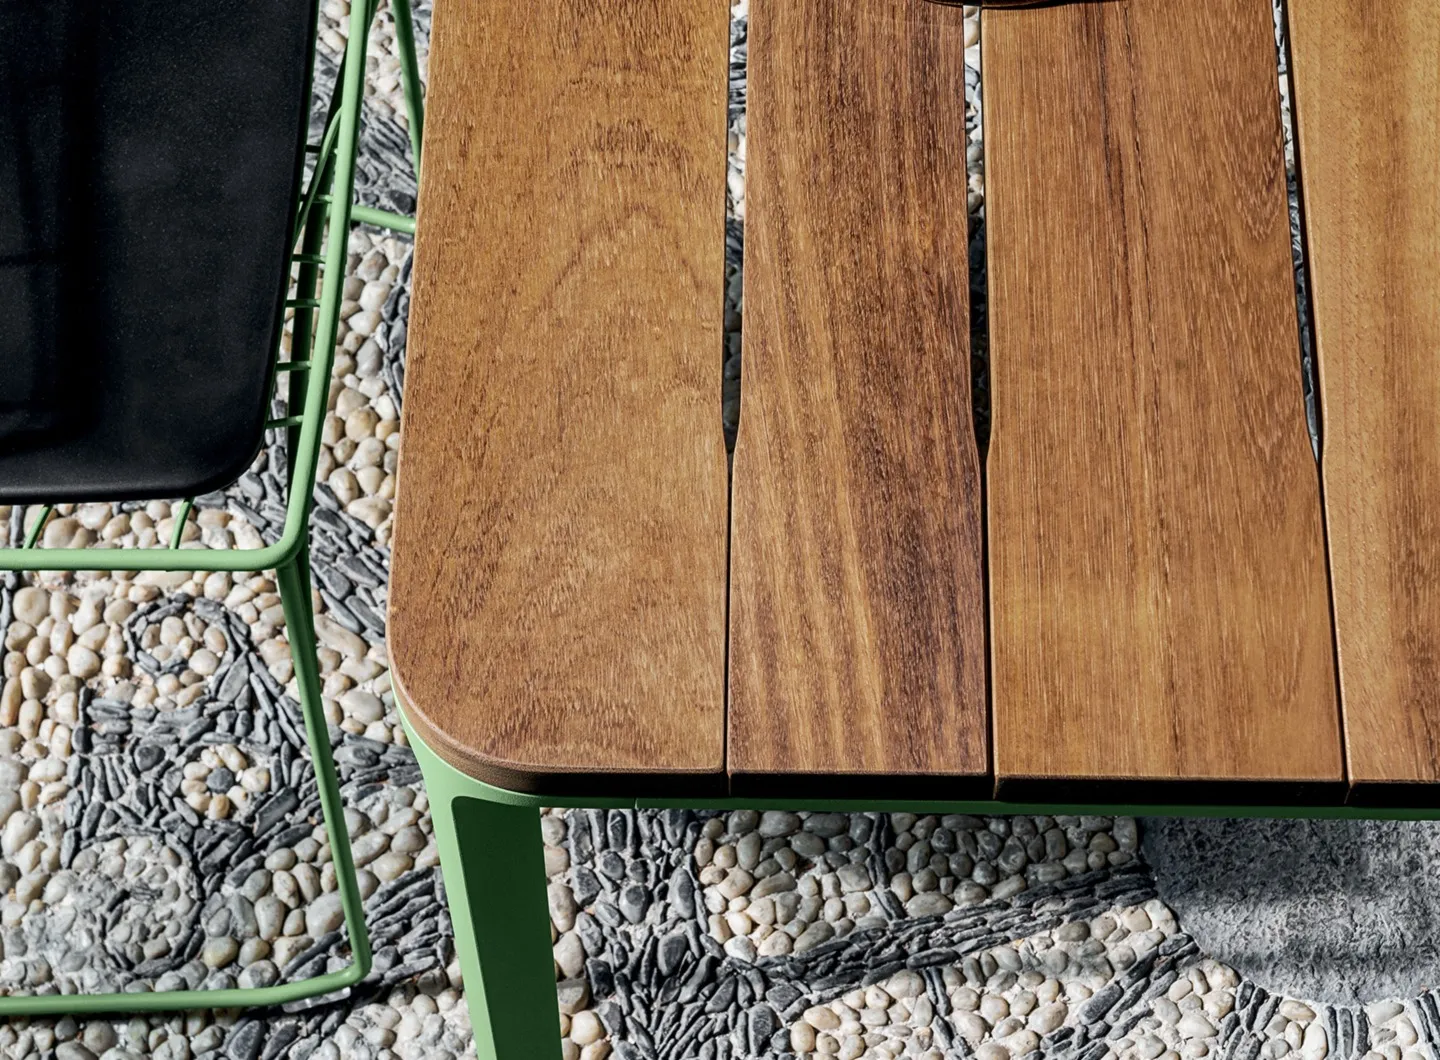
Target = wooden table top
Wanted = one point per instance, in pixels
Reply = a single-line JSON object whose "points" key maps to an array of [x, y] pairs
{"points": [[559, 563], [1157, 559], [857, 604], [1146, 588]]}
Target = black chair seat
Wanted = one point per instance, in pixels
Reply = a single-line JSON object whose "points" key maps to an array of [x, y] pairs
{"points": [[150, 156]]}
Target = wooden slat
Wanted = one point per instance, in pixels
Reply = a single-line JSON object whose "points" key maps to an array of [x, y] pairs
{"points": [[857, 630], [558, 595], [1368, 111], [1159, 597]]}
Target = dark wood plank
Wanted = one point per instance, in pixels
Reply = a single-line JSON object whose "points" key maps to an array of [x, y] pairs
{"points": [[1368, 110], [557, 616], [1159, 606], [857, 628]]}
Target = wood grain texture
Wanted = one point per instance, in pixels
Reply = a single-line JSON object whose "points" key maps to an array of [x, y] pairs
{"points": [[857, 608], [1368, 110], [1160, 614], [557, 616]]}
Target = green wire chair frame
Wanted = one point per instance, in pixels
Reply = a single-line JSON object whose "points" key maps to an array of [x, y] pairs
{"points": [[321, 236]]}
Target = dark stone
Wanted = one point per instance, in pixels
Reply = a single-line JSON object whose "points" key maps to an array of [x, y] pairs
{"points": [[1249, 1048], [334, 580], [341, 613], [618, 829], [356, 570], [582, 845], [242, 871], [1094, 1010], [673, 950], [634, 900], [1161, 985], [290, 836], [612, 1018], [1012, 857], [675, 822], [235, 683], [220, 780], [585, 885], [1360, 1023], [932, 958], [989, 844], [147, 756], [783, 995], [244, 1041], [591, 937], [943, 1035], [371, 619], [282, 1036], [596, 819], [1123, 1026], [1176, 944], [192, 732], [602, 979], [762, 1025], [612, 865], [724, 995], [356, 756], [644, 1045], [278, 808], [90, 823], [702, 974], [682, 893]]}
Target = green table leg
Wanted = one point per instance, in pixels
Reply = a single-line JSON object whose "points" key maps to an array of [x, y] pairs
{"points": [[494, 869]]}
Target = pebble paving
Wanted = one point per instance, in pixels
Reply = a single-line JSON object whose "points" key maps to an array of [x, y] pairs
{"points": [[159, 824]]}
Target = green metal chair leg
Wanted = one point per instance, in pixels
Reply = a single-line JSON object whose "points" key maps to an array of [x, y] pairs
{"points": [[410, 77], [294, 584], [494, 867]]}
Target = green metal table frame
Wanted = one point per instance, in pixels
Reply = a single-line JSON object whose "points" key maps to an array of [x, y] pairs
{"points": [[498, 903], [319, 252]]}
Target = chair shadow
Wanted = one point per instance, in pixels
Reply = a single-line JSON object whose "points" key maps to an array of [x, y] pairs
{"points": [[1344, 903]]}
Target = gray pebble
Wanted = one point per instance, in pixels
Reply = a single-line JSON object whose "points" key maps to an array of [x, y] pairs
{"points": [[324, 915], [807, 845], [742, 821], [219, 952], [778, 823], [826, 825], [261, 973], [813, 936]]}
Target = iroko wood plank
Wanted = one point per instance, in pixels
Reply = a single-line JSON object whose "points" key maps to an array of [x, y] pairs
{"points": [[857, 628], [1368, 111], [558, 598], [1161, 623]]}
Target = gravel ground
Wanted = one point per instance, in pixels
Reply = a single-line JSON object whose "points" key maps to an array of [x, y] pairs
{"points": [[158, 825]]}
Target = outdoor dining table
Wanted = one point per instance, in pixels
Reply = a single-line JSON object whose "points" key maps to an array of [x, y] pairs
{"points": [[1142, 582]]}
